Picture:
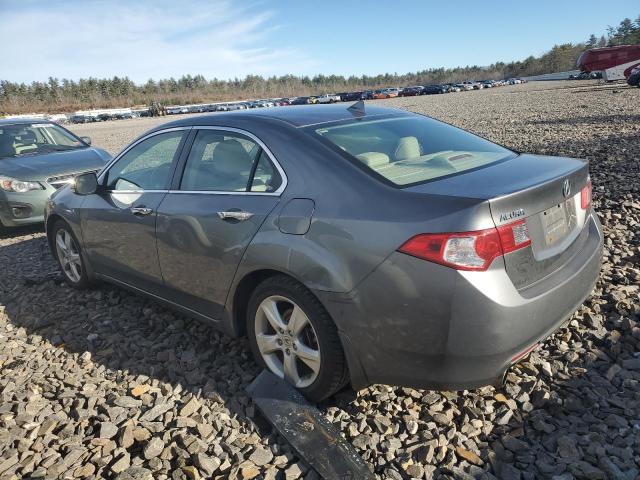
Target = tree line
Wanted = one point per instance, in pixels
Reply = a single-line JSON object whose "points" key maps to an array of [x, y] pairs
{"points": [[66, 95]]}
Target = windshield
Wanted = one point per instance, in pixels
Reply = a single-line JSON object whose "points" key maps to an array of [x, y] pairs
{"points": [[411, 149], [35, 138]]}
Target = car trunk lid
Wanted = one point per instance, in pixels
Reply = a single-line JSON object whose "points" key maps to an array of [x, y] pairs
{"points": [[543, 191]]}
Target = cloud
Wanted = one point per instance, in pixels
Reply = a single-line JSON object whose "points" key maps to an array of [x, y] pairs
{"points": [[141, 40]]}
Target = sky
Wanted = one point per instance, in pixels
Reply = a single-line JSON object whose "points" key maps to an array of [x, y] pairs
{"points": [[233, 38]]}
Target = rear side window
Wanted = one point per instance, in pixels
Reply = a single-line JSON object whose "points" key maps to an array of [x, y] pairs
{"points": [[219, 161], [222, 161], [266, 178], [410, 150]]}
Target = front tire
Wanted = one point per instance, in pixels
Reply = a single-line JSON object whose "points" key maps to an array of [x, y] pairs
{"points": [[69, 255], [292, 335]]}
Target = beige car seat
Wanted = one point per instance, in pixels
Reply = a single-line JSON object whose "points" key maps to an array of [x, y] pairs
{"points": [[408, 147], [26, 142], [373, 159]]}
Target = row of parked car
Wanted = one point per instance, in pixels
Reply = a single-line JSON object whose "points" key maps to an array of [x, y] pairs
{"points": [[391, 92], [101, 117], [388, 92], [450, 87], [585, 76]]}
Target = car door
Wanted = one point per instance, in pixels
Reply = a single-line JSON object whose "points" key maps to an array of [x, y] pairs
{"points": [[223, 191], [118, 223]]}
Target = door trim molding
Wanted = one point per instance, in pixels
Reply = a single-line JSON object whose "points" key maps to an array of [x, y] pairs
{"points": [[115, 281]]}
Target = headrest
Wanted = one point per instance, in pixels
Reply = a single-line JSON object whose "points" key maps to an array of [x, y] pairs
{"points": [[230, 157], [373, 159], [27, 137], [408, 147]]}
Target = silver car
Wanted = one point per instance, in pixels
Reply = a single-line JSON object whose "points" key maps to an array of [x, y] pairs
{"points": [[375, 246], [36, 158]]}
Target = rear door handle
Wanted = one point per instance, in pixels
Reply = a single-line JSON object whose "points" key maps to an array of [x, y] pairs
{"points": [[235, 215], [140, 211]]}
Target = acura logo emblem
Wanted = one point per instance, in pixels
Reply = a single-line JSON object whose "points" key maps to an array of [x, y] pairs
{"points": [[566, 188]]}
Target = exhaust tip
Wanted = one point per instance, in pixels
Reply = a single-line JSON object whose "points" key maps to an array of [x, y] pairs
{"points": [[501, 381]]}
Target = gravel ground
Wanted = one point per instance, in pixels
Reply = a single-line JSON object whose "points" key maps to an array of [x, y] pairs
{"points": [[107, 384]]}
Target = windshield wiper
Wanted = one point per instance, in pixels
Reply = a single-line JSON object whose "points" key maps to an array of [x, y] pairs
{"points": [[56, 148]]}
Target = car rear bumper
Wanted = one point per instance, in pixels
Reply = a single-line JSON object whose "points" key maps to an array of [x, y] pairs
{"points": [[418, 324]]}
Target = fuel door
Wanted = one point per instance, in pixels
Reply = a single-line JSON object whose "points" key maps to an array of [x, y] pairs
{"points": [[295, 217]]}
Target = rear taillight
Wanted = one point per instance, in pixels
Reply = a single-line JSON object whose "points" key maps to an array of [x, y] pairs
{"points": [[514, 236], [585, 195], [468, 250]]}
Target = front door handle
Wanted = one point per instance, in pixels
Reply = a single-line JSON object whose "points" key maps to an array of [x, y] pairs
{"points": [[141, 211], [235, 215]]}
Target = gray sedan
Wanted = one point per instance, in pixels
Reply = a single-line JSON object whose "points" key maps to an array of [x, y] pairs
{"points": [[36, 158], [374, 246]]}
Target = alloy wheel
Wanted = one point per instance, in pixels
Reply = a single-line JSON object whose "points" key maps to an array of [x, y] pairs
{"points": [[68, 255], [287, 341]]}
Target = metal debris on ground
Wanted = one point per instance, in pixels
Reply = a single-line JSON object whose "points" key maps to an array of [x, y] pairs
{"points": [[315, 439]]}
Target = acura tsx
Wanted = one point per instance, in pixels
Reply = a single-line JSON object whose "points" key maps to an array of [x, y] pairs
{"points": [[375, 246]]}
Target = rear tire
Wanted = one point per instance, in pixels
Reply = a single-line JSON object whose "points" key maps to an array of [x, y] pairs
{"points": [[292, 335], [70, 257]]}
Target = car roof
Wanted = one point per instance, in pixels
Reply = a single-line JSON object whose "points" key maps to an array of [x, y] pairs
{"points": [[22, 121], [295, 115]]}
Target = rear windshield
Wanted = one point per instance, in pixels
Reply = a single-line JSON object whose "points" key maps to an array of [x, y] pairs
{"points": [[412, 149]]}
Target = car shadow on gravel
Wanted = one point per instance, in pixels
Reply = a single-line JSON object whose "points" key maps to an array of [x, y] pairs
{"points": [[571, 409], [16, 232], [125, 337]]}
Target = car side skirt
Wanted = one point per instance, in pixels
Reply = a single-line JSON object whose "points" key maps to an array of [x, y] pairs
{"points": [[223, 326]]}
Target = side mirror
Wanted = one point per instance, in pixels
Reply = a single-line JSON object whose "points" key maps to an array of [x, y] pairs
{"points": [[86, 140], [85, 184]]}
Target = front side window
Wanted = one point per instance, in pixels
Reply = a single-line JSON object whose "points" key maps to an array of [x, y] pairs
{"points": [[36, 138], [410, 149], [222, 161], [146, 166]]}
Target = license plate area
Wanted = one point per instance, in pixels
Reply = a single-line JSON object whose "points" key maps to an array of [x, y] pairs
{"points": [[558, 221]]}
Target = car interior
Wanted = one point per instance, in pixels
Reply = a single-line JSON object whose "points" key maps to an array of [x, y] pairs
{"points": [[25, 139], [15, 141], [218, 162], [405, 152]]}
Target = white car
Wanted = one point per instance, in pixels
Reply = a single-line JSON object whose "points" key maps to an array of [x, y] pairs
{"points": [[265, 103], [328, 98]]}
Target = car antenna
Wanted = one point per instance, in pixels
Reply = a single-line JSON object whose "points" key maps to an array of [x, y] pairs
{"points": [[357, 109]]}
